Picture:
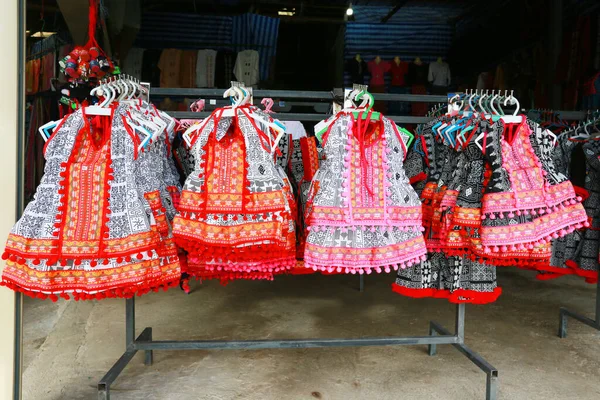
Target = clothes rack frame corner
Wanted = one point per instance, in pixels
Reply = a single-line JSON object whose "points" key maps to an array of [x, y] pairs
{"points": [[437, 335], [565, 313]]}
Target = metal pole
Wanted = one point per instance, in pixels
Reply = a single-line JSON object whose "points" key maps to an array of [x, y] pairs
{"points": [[129, 322], [460, 322], [361, 283], [564, 314], [598, 301]]}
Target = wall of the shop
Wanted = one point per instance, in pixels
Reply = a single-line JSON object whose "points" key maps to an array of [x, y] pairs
{"points": [[8, 160]]}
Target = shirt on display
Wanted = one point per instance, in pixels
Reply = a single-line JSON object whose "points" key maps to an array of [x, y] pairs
{"points": [[399, 72], [246, 67], [377, 71], [439, 74], [187, 77], [205, 68], [170, 67], [132, 65]]}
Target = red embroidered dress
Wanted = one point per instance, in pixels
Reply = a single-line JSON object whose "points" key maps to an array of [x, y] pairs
{"points": [[362, 213], [86, 231], [234, 216]]}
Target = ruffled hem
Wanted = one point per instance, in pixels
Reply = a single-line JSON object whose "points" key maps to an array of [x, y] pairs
{"points": [[104, 259], [226, 277], [364, 268], [571, 269], [125, 291], [458, 296], [271, 266]]}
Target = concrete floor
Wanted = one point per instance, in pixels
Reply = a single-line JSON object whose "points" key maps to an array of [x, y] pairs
{"points": [[69, 345]]}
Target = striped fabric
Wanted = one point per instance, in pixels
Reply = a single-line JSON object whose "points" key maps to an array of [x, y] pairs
{"points": [[184, 31], [414, 11], [257, 32]]}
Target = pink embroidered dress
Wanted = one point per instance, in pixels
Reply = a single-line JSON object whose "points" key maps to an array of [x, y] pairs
{"points": [[362, 213], [522, 209]]}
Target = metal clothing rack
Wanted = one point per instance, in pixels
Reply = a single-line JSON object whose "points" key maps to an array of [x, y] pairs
{"points": [[564, 313], [336, 95], [437, 335]]}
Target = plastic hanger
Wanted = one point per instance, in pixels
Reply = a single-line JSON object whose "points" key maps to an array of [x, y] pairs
{"points": [[47, 129], [515, 117], [322, 126], [98, 110], [365, 109]]}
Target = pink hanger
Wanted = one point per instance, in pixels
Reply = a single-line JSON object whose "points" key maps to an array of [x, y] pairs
{"points": [[268, 103]]}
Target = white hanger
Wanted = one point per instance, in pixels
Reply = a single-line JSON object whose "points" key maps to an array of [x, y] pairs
{"points": [[515, 117], [471, 110], [483, 96], [237, 95], [455, 99], [350, 98], [366, 100], [494, 96], [107, 88], [98, 109], [48, 125]]}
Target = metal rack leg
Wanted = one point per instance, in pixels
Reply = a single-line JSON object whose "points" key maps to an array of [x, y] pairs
{"points": [[149, 354], [491, 387], [361, 283], [564, 313], [130, 351]]}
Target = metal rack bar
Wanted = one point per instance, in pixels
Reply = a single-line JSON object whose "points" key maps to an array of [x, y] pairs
{"points": [[438, 335], [404, 119], [593, 323], [337, 93]]}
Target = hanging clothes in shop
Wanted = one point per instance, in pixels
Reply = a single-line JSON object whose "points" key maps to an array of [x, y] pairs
{"points": [[187, 73], [493, 197], [357, 68], [439, 77], [300, 160], [170, 67], [224, 69], [378, 68], [362, 214], [133, 64], [417, 79], [399, 72], [246, 68], [98, 225], [578, 252], [205, 69]]}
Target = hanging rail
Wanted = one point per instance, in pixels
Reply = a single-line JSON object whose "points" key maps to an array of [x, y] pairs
{"points": [[324, 96]]}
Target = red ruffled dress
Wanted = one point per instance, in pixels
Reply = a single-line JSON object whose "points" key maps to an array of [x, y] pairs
{"points": [[87, 234], [235, 219]]}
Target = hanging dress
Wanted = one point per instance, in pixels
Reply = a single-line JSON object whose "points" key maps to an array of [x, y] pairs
{"points": [[521, 210], [452, 201], [362, 213], [87, 232], [585, 262], [234, 216]]}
